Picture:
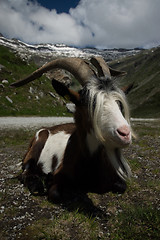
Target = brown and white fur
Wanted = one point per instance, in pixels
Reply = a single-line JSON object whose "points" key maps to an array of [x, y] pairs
{"points": [[84, 155]]}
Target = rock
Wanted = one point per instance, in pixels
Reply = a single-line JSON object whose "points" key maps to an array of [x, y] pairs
{"points": [[70, 107], [41, 94], [1, 66], [5, 81], [1, 85], [10, 100], [31, 90], [52, 94]]}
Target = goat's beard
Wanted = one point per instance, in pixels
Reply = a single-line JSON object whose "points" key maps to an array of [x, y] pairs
{"points": [[119, 164]]}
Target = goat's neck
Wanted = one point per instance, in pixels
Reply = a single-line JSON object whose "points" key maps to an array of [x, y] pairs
{"points": [[92, 142], [93, 145]]}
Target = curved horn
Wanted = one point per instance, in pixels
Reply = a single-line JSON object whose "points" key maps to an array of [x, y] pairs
{"points": [[101, 66], [116, 73], [78, 67], [104, 70]]}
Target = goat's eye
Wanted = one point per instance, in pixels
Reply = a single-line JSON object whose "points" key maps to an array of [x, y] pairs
{"points": [[120, 106]]}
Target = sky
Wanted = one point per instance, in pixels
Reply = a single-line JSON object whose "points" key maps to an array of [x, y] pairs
{"points": [[81, 23]]}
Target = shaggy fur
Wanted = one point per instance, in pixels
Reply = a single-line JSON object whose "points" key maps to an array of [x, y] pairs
{"points": [[104, 95]]}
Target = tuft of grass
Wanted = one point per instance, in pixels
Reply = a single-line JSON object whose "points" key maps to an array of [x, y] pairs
{"points": [[12, 137], [136, 223], [69, 225]]}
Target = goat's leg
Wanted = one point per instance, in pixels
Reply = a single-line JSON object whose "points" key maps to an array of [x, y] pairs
{"points": [[32, 171], [34, 184], [57, 185], [32, 179]]}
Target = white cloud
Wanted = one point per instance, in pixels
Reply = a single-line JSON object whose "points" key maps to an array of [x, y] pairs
{"points": [[103, 23]]}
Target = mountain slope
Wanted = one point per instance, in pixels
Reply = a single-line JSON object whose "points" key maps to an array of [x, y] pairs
{"points": [[143, 71], [36, 98], [42, 53]]}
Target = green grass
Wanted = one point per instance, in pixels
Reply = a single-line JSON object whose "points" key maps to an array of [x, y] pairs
{"points": [[137, 223], [66, 226], [15, 67], [25, 103], [13, 137]]}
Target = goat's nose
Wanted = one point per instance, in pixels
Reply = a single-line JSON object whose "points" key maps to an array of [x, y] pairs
{"points": [[123, 131], [124, 134]]}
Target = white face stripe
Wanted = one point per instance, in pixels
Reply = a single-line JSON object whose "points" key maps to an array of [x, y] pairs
{"points": [[54, 146], [107, 117], [112, 115]]}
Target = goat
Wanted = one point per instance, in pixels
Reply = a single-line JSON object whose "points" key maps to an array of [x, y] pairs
{"points": [[84, 155]]}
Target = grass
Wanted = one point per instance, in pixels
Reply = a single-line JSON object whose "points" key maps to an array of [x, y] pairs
{"points": [[67, 226], [136, 222], [15, 138], [24, 101]]}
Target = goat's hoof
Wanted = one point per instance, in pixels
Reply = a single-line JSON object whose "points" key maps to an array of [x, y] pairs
{"points": [[35, 185]]}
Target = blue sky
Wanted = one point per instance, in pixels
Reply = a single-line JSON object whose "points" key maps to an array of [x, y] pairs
{"points": [[59, 5], [96, 23]]}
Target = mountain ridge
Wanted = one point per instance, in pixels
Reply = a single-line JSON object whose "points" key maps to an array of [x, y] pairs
{"points": [[47, 52]]}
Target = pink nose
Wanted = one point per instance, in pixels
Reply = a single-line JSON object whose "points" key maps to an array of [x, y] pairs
{"points": [[124, 133]]}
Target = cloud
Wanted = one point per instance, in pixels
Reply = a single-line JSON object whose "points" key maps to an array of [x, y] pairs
{"points": [[104, 23]]}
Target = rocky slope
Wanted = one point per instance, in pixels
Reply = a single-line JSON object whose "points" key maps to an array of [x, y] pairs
{"points": [[42, 53]]}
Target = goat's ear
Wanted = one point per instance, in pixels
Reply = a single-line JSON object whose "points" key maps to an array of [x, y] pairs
{"points": [[117, 73], [127, 89], [65, 92]]}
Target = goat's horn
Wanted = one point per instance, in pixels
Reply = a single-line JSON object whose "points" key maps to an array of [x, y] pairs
{"points": [[101, 66], [116, 73], [104, 70], [78, 67]]}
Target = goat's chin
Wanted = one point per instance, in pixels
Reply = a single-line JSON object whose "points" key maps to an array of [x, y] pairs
{"points": [[122, 143], [115, 141]]}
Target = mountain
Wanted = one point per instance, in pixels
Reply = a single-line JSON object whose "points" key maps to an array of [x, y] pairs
{"points": [[42, 53], [143, 73]]}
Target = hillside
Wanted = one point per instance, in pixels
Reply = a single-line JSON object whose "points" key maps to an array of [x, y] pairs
{"points": [[36, 98], [143, 71], [18, 59]]}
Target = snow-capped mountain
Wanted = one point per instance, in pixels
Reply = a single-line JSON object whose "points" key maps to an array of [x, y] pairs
{"points": [[42, 53]]}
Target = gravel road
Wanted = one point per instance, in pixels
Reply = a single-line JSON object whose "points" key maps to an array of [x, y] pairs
{"points": [[37, 122], [32, 122]]}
